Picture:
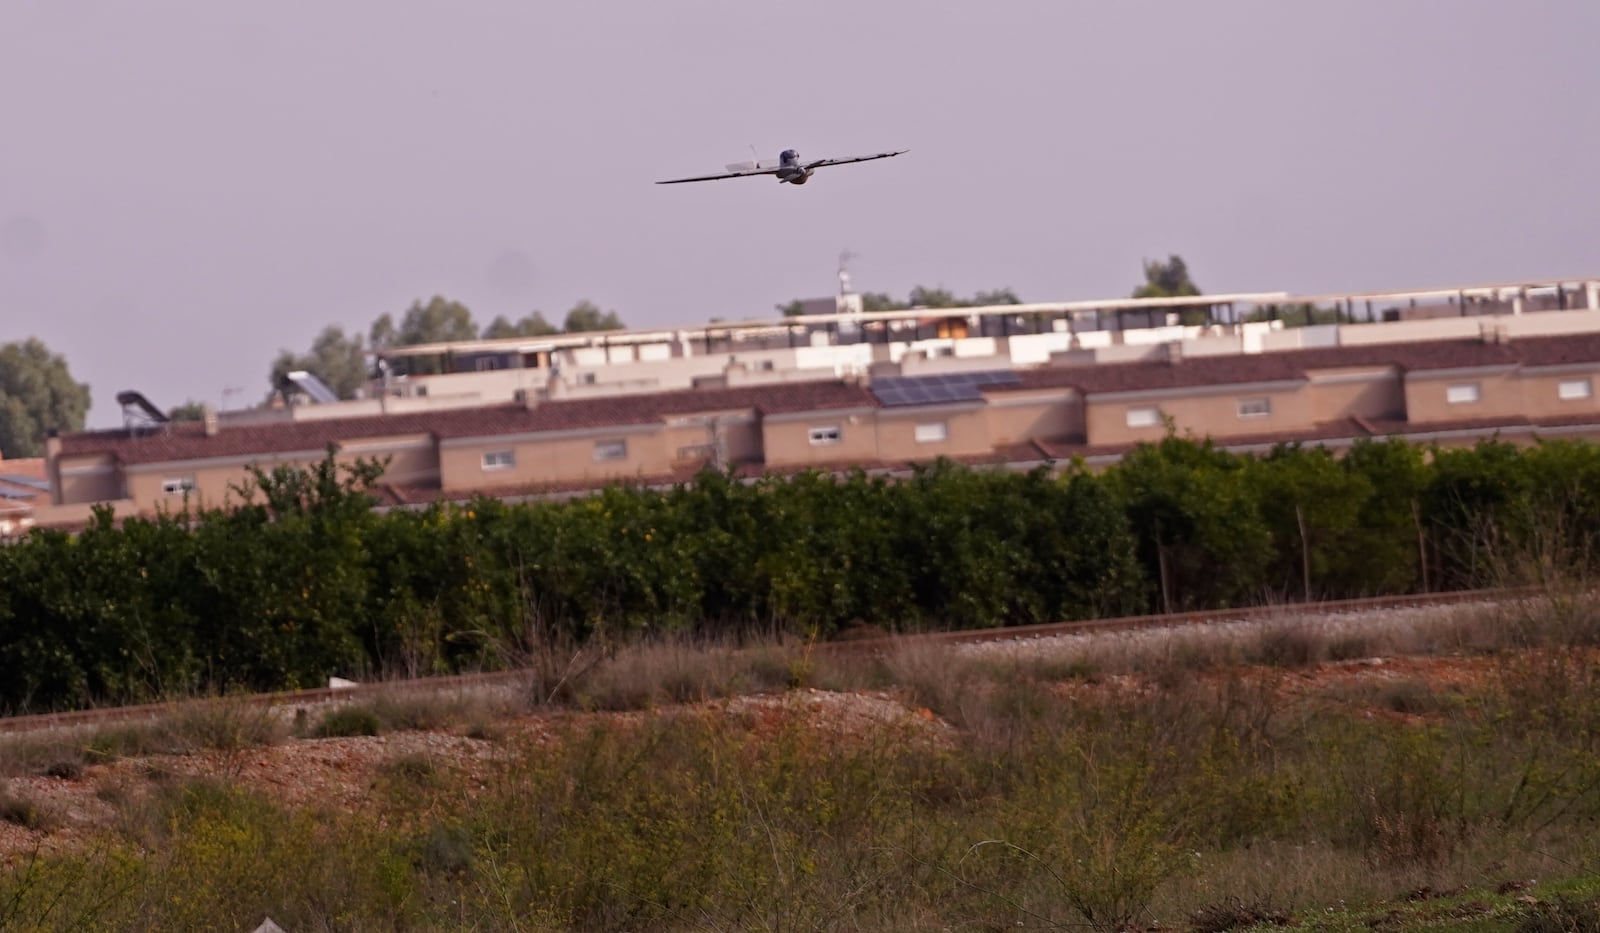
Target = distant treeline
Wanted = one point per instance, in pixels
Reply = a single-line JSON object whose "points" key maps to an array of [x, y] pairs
{"points": [[307, 579]]}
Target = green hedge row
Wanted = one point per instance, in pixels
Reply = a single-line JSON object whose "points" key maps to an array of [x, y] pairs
{"points": [[307, 579]]}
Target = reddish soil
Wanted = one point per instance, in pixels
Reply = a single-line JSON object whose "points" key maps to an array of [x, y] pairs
{"points": [[341, 772]]}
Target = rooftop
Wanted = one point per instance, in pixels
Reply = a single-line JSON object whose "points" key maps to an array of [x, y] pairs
{"points": [[189, 441]]}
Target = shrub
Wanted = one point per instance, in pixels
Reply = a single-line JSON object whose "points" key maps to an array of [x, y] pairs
{"points": [[349, 721]]}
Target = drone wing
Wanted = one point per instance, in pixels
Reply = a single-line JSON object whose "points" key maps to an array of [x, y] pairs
{"points": [[738, 170], [866, 158]]}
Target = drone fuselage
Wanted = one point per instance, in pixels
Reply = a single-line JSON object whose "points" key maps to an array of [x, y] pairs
{"points": [[789, 168]]}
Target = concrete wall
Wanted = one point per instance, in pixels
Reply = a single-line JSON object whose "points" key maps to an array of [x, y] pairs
{"points": [[1296, 338], [786, 439], [1541, 391], [1031, 349], [966, 430], [1365, 392], [413, 459], [1216, 412], [1017, 417], [1550, 324], [212, 481], [566, 457], [1406, 331], [1105, 422], [87, 479], [735, 436], [1499, 395]]}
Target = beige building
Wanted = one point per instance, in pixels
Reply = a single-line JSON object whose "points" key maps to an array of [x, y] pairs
{"points": [[22, 488], [1449, 390]]}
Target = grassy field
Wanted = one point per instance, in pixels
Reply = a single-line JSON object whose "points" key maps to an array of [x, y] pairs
{"points": [[1210, 782]]}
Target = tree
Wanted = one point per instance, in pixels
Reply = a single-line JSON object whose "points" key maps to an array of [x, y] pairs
{"points": [[1301, 314], [1168, 279], [439, 321], [188, 411], [1000, 296], [879, 301], [923, 297], [534, 325], [37, 395], [383, 334], [586, 316], [335, 358]]}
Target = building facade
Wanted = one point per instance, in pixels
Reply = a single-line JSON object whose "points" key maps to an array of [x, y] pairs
{"points": [[1453, 390]]}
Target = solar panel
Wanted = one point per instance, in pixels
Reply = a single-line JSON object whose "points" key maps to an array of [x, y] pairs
{"points": [[28, 481], [939, 388]]}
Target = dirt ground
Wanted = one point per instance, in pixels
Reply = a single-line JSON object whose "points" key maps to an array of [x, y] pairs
{"points": [[342, 771]]}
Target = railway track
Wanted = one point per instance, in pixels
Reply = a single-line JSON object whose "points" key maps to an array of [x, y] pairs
{"points": [[1203, 617], [503, 679]]}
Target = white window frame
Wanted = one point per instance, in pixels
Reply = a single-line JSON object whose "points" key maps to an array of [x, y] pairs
{"points": [[931, 432], [1144, 416], [1258, 407], [1462, 393], [1573, 389], [499, 460], [177, 485], [825, 435], [611, 450]]}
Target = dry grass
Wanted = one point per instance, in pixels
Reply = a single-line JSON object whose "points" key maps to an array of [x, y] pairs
{"points": [[1153, 777], [24, 810], [664, 672]]}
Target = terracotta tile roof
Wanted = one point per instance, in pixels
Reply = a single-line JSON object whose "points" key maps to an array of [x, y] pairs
{"points": [[1559, 350], [398, 494], [23, 484], [188, 440], [1276, 366], [30, 467]]}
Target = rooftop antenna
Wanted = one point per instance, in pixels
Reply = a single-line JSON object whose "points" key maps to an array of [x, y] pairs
{"points": [[844, 273]]}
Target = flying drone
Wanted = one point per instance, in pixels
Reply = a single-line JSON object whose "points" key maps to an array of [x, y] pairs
{"points": [[789, 169]]}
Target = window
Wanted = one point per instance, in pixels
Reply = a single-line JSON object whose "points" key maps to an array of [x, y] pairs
{"points": [[932, 432], [611, 450], [823, 436], [1255, 407], [177, 486], [499, 459], [1461, 393], [487, 363], [1143, 417], [1574, 388]]}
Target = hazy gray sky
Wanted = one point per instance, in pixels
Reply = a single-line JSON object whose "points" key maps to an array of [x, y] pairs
{"points": [[188, 186]]}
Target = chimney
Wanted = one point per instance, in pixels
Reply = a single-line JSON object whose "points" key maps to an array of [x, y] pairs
{"points": [[208, 417], [52, 464]]}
